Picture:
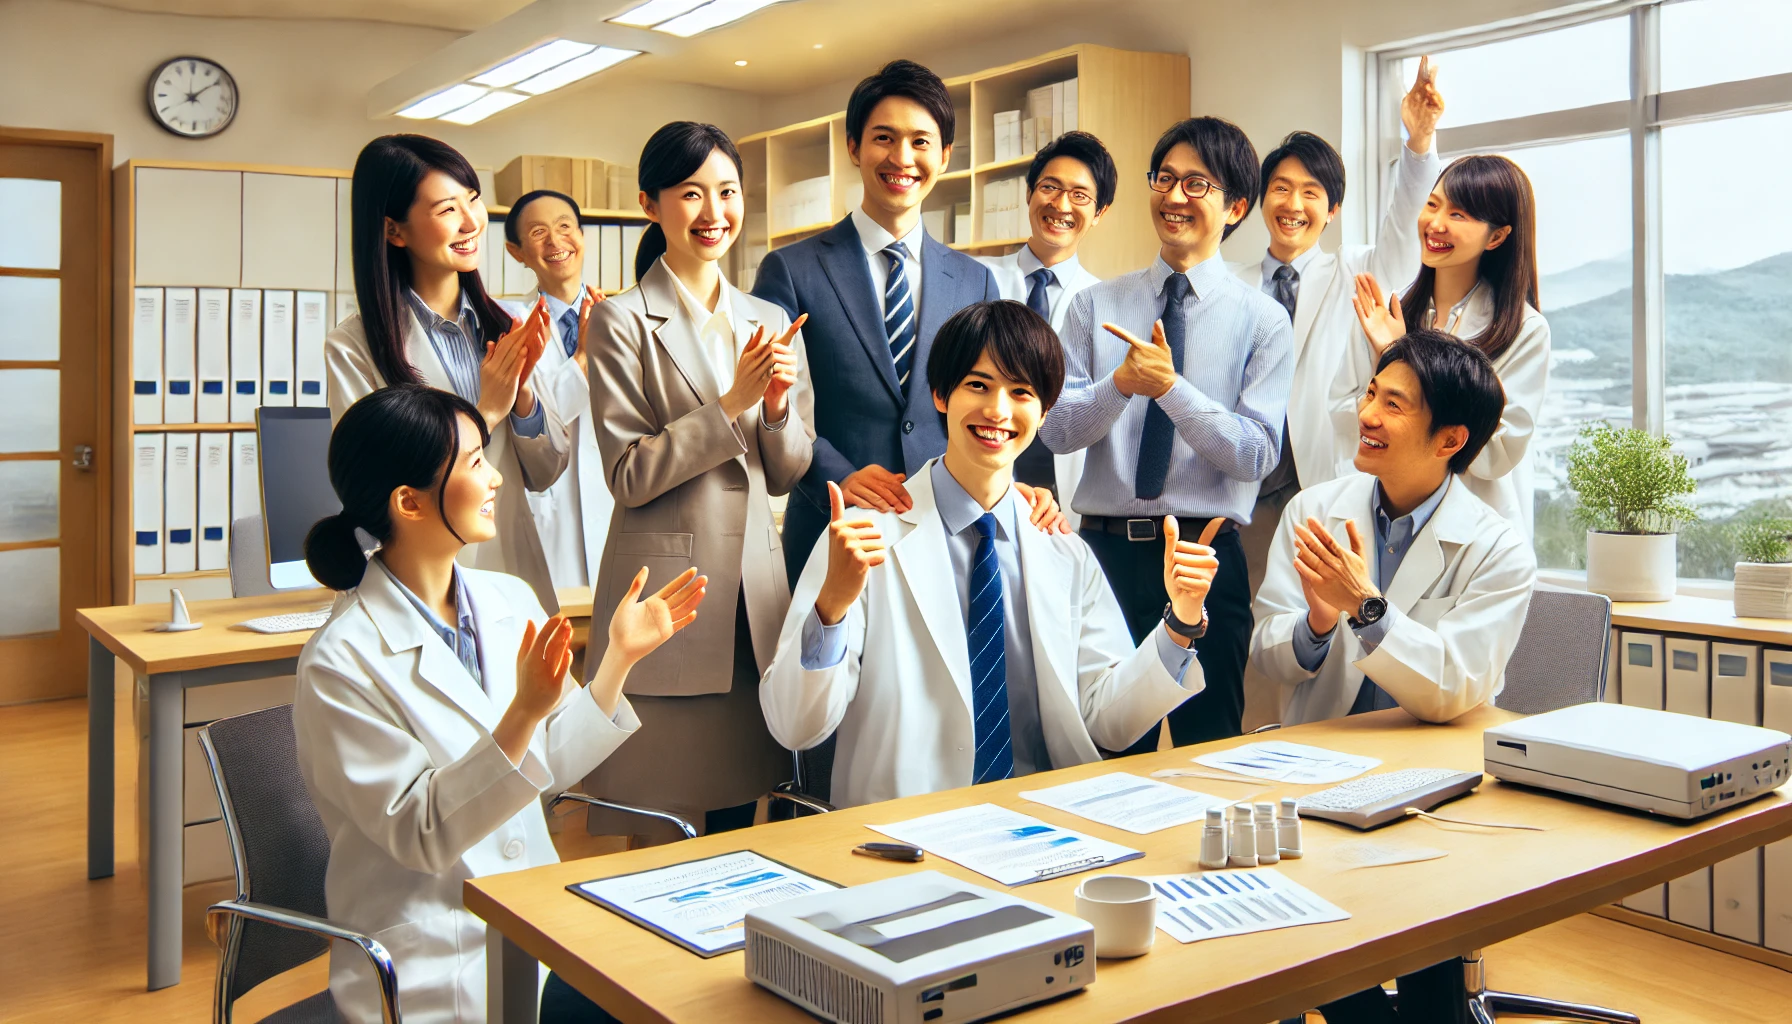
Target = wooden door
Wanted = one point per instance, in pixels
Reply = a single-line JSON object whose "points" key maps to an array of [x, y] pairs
{"points": [[55, 373]]}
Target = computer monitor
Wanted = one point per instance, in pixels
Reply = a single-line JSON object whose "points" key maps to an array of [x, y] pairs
{"points": [[294, 445]]}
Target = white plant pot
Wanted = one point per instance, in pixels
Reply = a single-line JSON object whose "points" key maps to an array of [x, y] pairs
{"points": [[1632, 566]]}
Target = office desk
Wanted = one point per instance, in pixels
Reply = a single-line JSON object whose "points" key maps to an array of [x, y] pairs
{"points": [[171, 662], [1492, 886]]}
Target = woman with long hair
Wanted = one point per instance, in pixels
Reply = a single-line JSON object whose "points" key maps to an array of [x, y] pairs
{"points": [[417, 225], [703, 415], [434, 712], [1478, 282]]}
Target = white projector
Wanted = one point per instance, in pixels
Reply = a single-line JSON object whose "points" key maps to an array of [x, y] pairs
{"points": [[1665, 763], [916, 949]]}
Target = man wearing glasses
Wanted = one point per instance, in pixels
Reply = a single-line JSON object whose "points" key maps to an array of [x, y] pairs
{"points": [[1070, 184], [1177, 386]]}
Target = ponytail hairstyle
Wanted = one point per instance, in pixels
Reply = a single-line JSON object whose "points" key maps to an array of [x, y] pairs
{"points": [[1491, 189], [407, 435], [387, 174], [671, 156]]}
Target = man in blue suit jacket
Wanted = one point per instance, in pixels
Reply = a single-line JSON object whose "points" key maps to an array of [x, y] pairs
{"points": [[876, 288]]}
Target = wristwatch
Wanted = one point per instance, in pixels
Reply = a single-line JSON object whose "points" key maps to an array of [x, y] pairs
{"points": [[1369, 612], [1181, 628]]}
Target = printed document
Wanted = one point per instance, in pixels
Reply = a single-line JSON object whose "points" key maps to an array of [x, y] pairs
{"points": [[1131, 802], [701, 904], [1294, 763], [1006, 845], [1212, 904]]}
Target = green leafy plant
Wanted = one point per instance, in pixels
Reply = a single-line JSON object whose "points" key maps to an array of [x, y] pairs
{"points": [[1764, 538], [1629, 481]]}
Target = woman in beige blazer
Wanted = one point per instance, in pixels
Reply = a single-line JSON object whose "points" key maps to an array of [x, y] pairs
{"points": [[702, 412]]}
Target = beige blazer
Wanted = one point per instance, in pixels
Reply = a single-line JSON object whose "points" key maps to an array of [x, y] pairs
{"points": [[691, 486], [526, 463]]}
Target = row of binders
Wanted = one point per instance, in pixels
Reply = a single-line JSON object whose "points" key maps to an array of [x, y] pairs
{"points": [[211, 355], [1749, 896], [186, 489]]}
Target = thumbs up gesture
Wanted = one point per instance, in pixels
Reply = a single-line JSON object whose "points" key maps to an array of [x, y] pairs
{"points": [[855, 546], [1189, 568]]}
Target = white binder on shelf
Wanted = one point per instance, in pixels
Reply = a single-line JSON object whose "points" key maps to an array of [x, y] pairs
{"points": [[518, 279], [276, 348], [1687, 691], [1736, 882], [245, 476], [1070, 100], [610, 235], [212, 335], [146, 356], [214, 501], [1640, 669], [310, 328], [245, 353], [631, 241], [592, 274], [146, 504], [178, 355], [1776, 874], [180, 512]]}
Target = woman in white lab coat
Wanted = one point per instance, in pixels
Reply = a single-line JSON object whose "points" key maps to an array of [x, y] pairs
{"points": [[1477, 281], [434, 711], [417, 229]]}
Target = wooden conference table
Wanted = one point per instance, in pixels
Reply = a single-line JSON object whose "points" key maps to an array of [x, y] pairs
{"points": [[220, 652], [1493, 885]]}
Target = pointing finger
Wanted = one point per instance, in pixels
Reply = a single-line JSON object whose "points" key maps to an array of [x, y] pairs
{"points": [[1124, 335], [1210, 531]]}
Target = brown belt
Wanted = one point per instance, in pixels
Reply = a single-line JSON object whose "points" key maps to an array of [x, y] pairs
{"points": [[1146, 529]]}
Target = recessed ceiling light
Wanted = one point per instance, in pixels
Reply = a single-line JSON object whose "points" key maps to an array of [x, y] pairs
{"points": [[740, 63], [534, 62], [484, 107], [714, 14], [655, 11], [817, 46], [452, 98], [575, 69]]}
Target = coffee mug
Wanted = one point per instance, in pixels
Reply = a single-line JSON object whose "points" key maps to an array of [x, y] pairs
{"points": [[1123, 911]]}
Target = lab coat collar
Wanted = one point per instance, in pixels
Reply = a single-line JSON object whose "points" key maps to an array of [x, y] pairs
{"points": [[1451, 526], [403, 629], [926, 564]]}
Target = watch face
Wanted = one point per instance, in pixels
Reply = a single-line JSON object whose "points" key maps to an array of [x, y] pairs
{"points": [[192, 97]]}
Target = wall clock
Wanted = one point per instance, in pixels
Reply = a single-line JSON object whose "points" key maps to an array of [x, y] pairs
{"points": [[192, 97]]}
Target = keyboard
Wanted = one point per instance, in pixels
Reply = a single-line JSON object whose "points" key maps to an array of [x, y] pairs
{"points": [[1378, 799], [294, 622]]}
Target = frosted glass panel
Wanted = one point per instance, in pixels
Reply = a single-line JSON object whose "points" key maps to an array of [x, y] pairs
{"points": [[30, 410], [28, 492], [30, 223], [30, 318], [32, 598]]}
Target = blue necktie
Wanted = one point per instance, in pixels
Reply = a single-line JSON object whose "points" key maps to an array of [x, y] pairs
{"points": [[1037, 301], [899, 312], [984, 632], [569, 330], [1159, 433]]}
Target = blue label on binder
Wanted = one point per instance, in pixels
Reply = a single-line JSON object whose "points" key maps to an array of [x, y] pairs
{"points": [[214, 533], [245, 387], [147, 538], [276, 387], [144, 387], [211, 387], [311, 387], [180, 536], [180, 387]]}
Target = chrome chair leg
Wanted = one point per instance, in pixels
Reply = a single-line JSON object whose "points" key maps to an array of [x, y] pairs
{"points": [[1485, 1004]]}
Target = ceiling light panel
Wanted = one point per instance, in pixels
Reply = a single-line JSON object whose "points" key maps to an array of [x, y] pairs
{"points": [[450, 99], [484, 107], [653, 12], [534, 62], [575, 69], [714, 14]]}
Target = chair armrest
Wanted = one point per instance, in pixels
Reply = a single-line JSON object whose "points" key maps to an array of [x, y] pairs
{"points": [[689, 830], [787, 791], [376, 953]]}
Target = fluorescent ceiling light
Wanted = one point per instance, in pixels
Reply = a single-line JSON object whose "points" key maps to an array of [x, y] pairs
{"points": [[534, 62], [450, 99], [482, 108], [711, 15], [653, 12], [575, 69]]}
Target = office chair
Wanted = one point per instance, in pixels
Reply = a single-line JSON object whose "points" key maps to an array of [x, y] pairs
{"points": [[810, 785]]}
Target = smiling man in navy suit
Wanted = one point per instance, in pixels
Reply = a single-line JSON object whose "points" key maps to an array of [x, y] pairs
{"points": [[876, 288]]}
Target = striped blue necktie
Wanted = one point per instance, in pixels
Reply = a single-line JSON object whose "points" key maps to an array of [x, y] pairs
{"points": [[899, 312], [989, 660]]}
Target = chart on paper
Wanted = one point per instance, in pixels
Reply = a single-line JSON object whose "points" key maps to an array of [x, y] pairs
{"points": [[1294, 763], [1127, 801], [1214, 904]]}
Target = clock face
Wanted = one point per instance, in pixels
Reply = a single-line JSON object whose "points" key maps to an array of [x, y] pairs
{"points": [[192, 97]]}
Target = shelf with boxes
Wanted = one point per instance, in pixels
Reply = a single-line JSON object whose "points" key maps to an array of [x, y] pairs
{"points": [[606, 195]]}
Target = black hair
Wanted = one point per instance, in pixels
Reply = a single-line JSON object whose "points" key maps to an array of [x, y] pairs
{"points": [[671, 156], [1020, 342], [511, 230], [1459, 383], [1496, 191], [385, 185], [900, 78], [1087, 148], [407, 435], [1317, 156], [1227, 152]]}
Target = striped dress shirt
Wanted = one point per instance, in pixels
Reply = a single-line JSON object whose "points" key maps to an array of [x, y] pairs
{"points": [[456, 344]]}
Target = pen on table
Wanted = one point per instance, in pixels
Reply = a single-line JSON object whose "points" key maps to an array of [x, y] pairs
{"points": [[890, 851]]}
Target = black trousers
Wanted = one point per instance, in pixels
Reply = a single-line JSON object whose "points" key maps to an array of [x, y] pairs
{"points": [[563, 1004], [1135, 571], [1435, 995], [803, 526]]}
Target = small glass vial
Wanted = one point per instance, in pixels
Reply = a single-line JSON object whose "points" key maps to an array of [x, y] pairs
{"points": [[1266, 834], [1288, 829], [1213, 839], [1241, 846]]}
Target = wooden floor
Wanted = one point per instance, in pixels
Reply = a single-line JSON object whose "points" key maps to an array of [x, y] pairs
{"points": [[72, 950]]}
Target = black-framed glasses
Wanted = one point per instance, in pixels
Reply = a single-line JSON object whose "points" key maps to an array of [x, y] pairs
{"points": [[1051, 191], [1194, 186]]}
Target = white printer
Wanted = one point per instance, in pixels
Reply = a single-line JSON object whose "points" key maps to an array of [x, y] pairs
{"points": [[916, 949], [1665, 763]]}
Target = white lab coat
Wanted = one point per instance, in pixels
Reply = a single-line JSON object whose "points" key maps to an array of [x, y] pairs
{"points": [[394, 740], [572, 515], [1501, 475], [901, 697], [1325, 324], [1012, 284], [524, 462], [1457, 605]]}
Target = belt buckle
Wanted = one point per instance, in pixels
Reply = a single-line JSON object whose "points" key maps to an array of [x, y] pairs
{"points": [[1141, 529]]}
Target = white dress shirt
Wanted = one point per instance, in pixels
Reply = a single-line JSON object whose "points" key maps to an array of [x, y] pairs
{"points": [[715, 329], [875, 239]]}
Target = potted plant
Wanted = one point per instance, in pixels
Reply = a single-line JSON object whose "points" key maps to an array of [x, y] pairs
{"points": [[1764, 576], [1630, 488]]}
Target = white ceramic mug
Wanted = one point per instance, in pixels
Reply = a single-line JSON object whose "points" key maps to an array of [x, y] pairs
{"points": [[1123, 911]]}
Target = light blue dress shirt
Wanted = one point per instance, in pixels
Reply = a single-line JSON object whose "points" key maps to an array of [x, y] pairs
{"points": [[1227, 407], [461, 638], [557, 310], [1300, 265], [825, 646], [456, 344]]}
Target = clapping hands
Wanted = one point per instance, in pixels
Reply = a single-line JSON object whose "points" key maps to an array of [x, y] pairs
{"points": [[504, 372]]}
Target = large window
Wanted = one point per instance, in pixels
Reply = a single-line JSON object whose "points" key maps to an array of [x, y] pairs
{"points": [[1705, 352]]}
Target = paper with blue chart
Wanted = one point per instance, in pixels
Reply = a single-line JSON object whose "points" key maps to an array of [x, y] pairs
{"points": [[1127, 801], [1293, 763], [1214, 904], [1005, 845], [701, 904]]}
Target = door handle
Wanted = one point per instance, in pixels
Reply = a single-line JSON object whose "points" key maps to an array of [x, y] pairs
{"points": [[83, 457]]}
